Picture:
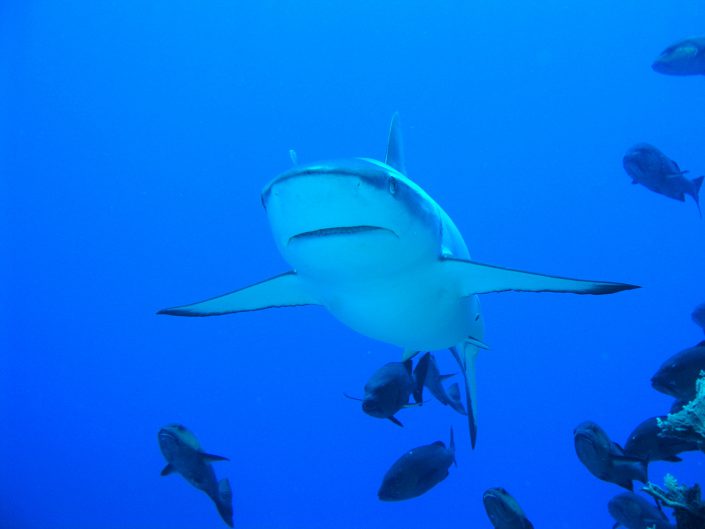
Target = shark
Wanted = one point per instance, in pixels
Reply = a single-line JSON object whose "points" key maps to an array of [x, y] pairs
{"points": [[372, 247]]}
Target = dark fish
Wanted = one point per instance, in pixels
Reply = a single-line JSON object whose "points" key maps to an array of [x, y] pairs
{"points": [[647, 442], [417, 471], [605, 459], [698, 316], [503, 510], [686, 57], [427, 374], [634, 512], [184, 455], [677, 375], [387, 391], [651, 168]]}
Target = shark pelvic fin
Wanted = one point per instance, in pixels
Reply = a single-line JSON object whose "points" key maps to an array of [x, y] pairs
{"points": [[168, 469], [284, 290], [395, 149], [465, 354], [479, 278]]}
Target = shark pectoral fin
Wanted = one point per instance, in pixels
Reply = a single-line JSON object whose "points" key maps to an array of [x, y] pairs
{"points": [[285, 290], [395, 150], [395, 421], [168, 469], [478, 278], [212, 458], [466, 360]]}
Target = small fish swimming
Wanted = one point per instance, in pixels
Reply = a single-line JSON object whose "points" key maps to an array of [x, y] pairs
{"points": [[648, 443], [387, 391], [183, 453], [677, 375], [503, 510], [651, 168], [426, 373], [605, 459], [418, 471], [634, 512], [698, 316], [686, 57]]}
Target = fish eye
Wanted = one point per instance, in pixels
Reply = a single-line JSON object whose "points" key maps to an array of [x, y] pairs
{"points": [[392, 185]]}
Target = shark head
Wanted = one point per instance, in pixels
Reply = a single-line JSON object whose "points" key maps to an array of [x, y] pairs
{"points": [[361, 212]]}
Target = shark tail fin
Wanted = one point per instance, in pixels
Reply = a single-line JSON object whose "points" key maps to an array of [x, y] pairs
{"points": [[224, 502], [466, 360], [395, 149], [695, 192]]}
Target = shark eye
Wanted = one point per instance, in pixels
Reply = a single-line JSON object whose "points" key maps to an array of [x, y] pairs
{"points": [[392, 185]]}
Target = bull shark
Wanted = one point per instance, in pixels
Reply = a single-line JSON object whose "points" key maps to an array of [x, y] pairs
{"points": [[372, 247]]}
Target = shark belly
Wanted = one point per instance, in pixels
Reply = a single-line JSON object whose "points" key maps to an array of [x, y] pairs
{"points": [[416, 310]]}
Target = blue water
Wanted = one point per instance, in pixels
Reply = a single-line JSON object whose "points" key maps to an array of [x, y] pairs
{"points": [[136, 137]]}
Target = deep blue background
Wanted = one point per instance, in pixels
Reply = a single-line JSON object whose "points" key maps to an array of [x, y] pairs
{"points": [[136, 137]]}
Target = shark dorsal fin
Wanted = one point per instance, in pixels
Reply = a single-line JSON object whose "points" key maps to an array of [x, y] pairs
{"points": [[395, 149]]}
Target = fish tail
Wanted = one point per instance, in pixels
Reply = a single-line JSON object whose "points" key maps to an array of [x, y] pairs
{"points": [[224, 501]]}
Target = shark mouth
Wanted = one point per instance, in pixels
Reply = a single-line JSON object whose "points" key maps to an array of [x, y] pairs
{"points": [[339, 230]]}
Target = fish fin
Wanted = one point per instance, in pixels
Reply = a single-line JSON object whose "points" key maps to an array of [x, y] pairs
{"points": [[638, 466], [212, 458], [395, 421], [294, 157], [409, 365], [352, 398], [454, 397], [395, 149], [673, 459], [284, 290], [479, 278], [452, 445], [467, 363], [420, 372], [168, 469], [616, 524], [224, 503], [408, 354], [528, 524], [446, 377]]}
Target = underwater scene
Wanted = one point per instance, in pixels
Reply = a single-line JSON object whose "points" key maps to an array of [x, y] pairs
{"points": [[352, 265]]}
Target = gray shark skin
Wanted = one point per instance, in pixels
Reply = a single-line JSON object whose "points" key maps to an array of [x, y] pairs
{"points": [[647, 443], [651, 168], [504, 511], [427, 374], [376, 251], [183, 453], [686, 57], [698, 316], [635, 512], [417, 471], [388, 390], [678, 374], [606, 460]]}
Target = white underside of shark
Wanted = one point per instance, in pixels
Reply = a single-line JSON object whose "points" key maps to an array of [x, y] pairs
{"points": [[382, 256]]}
